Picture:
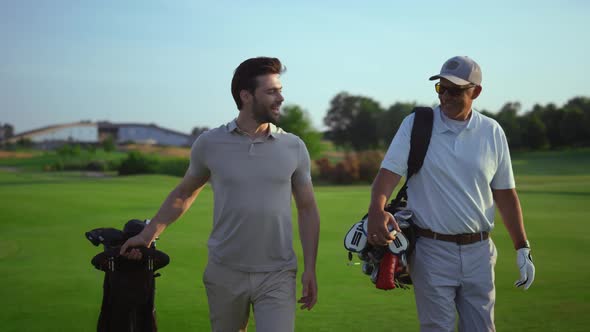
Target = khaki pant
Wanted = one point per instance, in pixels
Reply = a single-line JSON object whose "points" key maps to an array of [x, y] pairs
{"points": [[231, 293]]}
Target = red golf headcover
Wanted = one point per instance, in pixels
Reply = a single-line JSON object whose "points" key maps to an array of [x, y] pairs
{"points": [[387, 266]]}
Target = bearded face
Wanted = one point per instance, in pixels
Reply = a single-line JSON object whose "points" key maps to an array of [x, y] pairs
{"points": [[264, 113], [267, 99]]}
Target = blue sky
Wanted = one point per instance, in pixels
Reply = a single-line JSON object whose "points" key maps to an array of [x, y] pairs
{"points": [[171, 62]]}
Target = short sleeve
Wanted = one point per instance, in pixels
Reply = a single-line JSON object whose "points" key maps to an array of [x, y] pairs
{"points": [[396, 158], [197, 166], [504, 177], [302, 174]]}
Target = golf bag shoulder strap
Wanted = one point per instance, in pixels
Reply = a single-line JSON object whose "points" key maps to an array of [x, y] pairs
{"points": [[420, 138], [419, 142]]}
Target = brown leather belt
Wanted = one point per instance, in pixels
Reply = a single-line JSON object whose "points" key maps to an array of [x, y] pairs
{"points": [[461, 239]]}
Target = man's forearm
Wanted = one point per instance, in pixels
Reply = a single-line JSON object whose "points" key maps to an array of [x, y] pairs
{"points": [[511, 212], [309, 230], [382, 187]]}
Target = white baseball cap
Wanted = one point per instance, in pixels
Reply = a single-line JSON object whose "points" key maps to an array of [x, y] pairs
{"points": [[460, 70]]}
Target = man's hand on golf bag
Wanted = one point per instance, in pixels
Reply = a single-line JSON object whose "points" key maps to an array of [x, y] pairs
{"points": [[378, 226], [135, 242]]}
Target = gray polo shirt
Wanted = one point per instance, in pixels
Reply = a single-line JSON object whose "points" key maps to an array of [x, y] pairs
{"points": [[452, 192], [251, 181]]}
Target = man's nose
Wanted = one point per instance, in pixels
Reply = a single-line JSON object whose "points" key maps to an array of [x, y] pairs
{"points": [[445, 95]]}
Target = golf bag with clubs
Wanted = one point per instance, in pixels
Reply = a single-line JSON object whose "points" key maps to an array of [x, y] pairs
{"points": [[388, 265], [129, 285]]}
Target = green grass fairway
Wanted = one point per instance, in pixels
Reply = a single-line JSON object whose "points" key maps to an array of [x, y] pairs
{"points": [[48, 283]]}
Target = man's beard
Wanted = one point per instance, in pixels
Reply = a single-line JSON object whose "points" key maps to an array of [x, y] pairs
{"points": [[262, 114]]}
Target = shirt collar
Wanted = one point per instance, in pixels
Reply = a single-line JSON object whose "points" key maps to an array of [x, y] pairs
{"points": [[233, 127], [273, 130], [473, 120], [441, 127], [439, 124]]}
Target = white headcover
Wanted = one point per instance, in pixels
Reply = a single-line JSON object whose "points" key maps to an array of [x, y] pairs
{"points": [[399, 245], [356, 238]]}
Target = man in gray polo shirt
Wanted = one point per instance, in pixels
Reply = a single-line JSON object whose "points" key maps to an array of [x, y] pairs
{"points": [[253, 167], [466, 170]]}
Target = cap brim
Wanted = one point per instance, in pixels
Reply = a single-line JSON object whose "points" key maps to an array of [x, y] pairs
{"points": [[454, 79]]}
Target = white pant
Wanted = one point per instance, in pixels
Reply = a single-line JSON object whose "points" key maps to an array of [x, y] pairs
{"points": [[451, 279]]}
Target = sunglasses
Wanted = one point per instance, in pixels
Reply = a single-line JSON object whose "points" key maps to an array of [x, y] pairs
{"points": [[454, 91]]}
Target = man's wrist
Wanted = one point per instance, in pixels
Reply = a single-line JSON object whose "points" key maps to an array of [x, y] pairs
{"points": [[524, 244], [376, 209], [309, 269]]}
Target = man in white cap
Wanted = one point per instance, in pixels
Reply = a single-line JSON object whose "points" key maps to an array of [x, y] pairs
{"points": [[466, 173]]}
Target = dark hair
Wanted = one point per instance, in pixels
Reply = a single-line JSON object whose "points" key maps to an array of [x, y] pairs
{"points": [[246, 73]]}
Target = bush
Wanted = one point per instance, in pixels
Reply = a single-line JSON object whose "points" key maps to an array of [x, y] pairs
{"points": [[315, 171], [354, 167], [97, 166], [174, 167], [81, 165], [25, 143], [108, 145], [347, 171], [91, 148], [113, 165], [138, 163], [370, 163], [325, 169], [57, 165], [69, 150]]}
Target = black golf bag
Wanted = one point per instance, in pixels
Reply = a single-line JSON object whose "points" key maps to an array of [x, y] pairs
{"points": [[129, 285]]}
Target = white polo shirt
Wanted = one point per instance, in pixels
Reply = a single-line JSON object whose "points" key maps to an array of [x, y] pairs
{"points": [[452, 192]]}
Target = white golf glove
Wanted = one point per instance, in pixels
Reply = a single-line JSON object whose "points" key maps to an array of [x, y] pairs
{"points": [[524, 261]]}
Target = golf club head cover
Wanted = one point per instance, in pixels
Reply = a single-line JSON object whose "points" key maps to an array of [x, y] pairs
{"points": [[387, 267], [109, 237]]}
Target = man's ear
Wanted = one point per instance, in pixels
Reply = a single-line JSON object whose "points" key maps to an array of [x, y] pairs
{"points": [[246, 97], [476, 92]]}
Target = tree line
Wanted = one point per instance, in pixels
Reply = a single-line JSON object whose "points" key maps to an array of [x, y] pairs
{"points": [[360, 123]]}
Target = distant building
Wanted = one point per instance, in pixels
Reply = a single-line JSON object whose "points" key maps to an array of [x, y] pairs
{"points": [[87, 132], [142, 133]]}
